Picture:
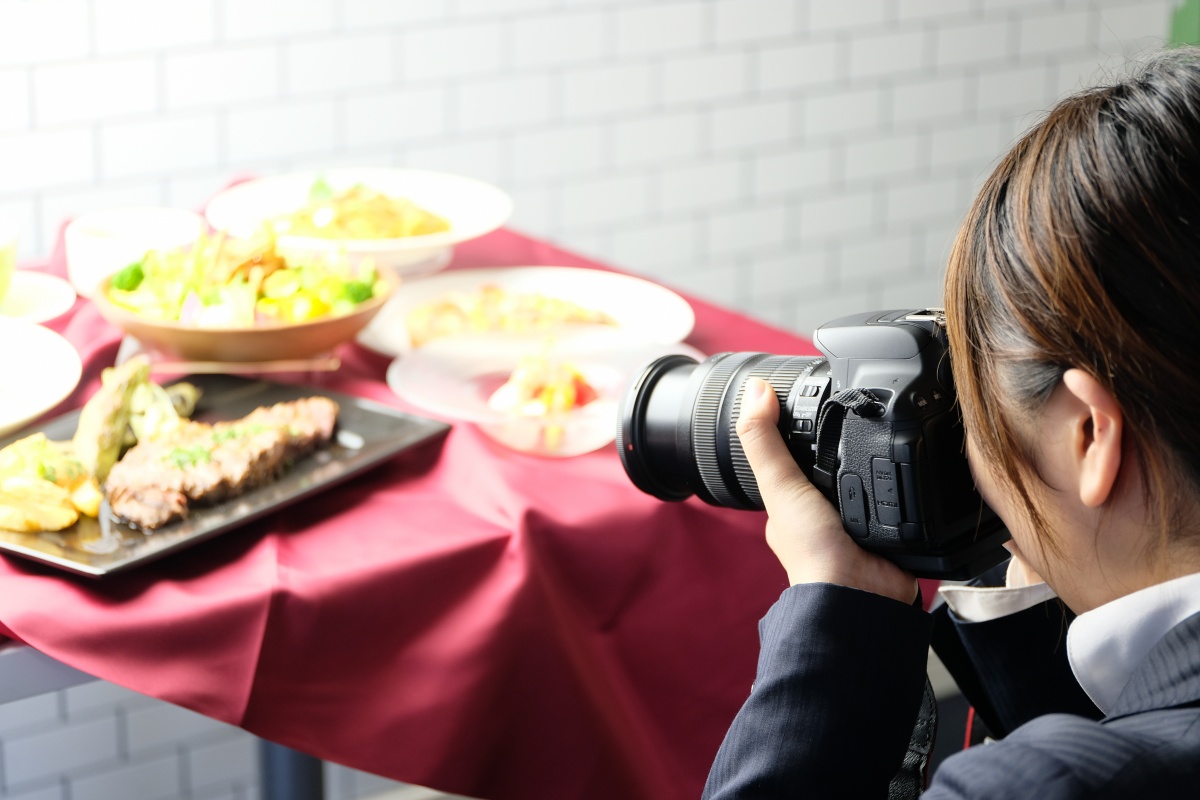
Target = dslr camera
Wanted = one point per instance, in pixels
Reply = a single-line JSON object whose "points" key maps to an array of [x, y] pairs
{"points": [[873, 424]]}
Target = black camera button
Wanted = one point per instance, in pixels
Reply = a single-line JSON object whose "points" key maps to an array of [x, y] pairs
{"points": [[887, 492], [804, 426], [854, 505]]}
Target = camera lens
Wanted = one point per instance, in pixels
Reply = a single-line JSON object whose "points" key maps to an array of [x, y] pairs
{"points": [[677, 432]]}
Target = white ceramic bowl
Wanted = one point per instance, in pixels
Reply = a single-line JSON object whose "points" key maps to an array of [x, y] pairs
{"points": [[100, 243], [472, 208]]}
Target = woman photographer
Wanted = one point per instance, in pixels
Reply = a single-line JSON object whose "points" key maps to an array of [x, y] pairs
{"points": [[1071, 298]]}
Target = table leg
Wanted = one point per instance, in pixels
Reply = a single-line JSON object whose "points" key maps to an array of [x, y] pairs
{"points": [[288, 774]]}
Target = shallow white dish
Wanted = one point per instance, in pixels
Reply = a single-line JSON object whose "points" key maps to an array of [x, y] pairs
{"points": [[38, 370], [454, 378], [472, 208], [644, 311], [37, 297]]}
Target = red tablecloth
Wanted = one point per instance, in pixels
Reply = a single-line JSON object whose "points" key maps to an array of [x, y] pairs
{"points": [[467, 618]]}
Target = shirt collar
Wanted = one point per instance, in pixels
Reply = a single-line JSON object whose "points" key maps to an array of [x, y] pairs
{"points": [[1107, 644]]}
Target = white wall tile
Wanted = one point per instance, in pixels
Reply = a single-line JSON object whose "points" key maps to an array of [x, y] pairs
{"points": [[31, 247], [155, 145], [194, 191], [708, 184], [100, 697], [608, 90], [761, 228], [969, 143], [891, 54], [46, 159], [1071, 75], [39, 711], [129, 26], [739, 21], [795, 271], [450, 51], [82, 91], [931, 101], [876, 258], [23, 36], [796, 66], [1042, 34], [935, 10], [795, 170], [348, 62], [234, 758], [827, 15], [195, 79], [535, 208], [499, 8], [375, 14], [1017, 90], [481, 158], [605, 201], [275, 19], [973, 43], [504, 103], [931, 197], [887, 156], [660, 28], [830, 217], [643, 247], [153, 728], [1132, 28], [752, 125], [61, 750], [282, 130], [914, 293], [658, 140], [840, 113], [56, 792], [389, 117], [557, 153], [14, 99], [706, 78], [560, 39], [159, 778]]}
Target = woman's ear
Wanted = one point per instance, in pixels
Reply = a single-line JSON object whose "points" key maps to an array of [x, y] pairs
{"points": [[1096, 441]]}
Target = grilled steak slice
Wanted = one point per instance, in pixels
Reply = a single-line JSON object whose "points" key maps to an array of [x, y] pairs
{"points": [[198, 464]]}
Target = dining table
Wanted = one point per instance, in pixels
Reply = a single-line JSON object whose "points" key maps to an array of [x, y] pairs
{"points": [[461, 616]]}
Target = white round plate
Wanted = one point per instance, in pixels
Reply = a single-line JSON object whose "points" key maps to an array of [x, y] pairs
{"points": [[644, 311], [471, 207], [454, 378], [38, 369], [37, 297]]}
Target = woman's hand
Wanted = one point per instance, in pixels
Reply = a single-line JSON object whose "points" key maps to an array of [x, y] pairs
{"points": [[804, 529]]}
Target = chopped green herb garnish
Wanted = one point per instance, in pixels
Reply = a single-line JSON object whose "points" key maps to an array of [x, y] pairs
{"points": [[129, 278], [358, 291], [237, 432], [184, 457]]}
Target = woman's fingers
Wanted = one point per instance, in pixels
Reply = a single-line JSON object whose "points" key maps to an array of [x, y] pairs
{"points": [[775, 471]]}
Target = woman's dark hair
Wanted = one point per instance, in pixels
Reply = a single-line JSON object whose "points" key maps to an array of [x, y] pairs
{"points": [[1083, 250]]}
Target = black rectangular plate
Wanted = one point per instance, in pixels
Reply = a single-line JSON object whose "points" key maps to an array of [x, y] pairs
{"points": [[367, 434]]}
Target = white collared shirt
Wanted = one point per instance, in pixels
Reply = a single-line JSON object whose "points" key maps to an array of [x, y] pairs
{"points": [[1104, 645]]}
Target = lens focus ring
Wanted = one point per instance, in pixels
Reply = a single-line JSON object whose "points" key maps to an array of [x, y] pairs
{"points": [[706, 420], [782, 372]]}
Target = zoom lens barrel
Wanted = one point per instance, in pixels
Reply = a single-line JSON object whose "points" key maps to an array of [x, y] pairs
{"points": [[677, 434]]}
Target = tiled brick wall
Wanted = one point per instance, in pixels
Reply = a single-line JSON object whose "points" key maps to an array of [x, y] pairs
{"points": [[798, 159]]}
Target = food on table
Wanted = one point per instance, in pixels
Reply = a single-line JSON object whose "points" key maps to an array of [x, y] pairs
{"points": [[43, 486], [358, 212], [542, 388], [199, 464], [493, 309], [46, 485], [226, 283]]}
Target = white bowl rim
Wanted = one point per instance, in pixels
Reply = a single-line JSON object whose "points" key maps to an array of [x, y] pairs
{"points": [[503, 210]]}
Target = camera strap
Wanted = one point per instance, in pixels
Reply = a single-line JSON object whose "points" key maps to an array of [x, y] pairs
{"points": [[829, 430]]}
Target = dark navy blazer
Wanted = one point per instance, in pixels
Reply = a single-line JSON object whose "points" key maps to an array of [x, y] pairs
{"points": [[840, 677]]}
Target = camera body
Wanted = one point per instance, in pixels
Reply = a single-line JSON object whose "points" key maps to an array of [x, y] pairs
{"points": [[873, 424]]}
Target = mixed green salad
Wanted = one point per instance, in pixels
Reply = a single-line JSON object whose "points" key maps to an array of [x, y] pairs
{"points": [[221, 283]]}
